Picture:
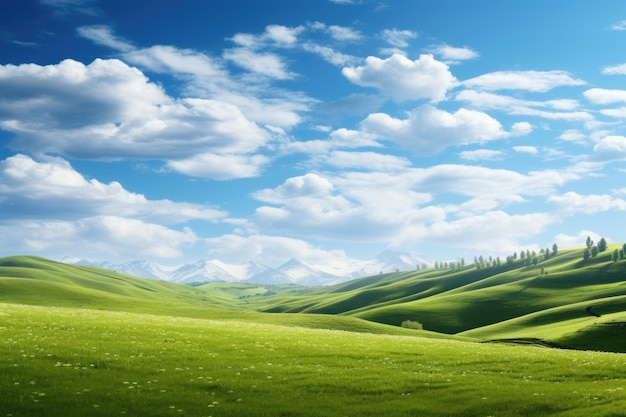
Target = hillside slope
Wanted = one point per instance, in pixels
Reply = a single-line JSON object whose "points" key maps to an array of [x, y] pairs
{"points": [[37, 281], [505, 301]]}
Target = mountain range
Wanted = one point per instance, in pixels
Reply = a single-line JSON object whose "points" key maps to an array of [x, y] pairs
{"points": [[293, 271]]}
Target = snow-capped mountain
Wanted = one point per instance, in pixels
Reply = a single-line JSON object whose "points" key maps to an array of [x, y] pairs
{"points": [[293, 271]]}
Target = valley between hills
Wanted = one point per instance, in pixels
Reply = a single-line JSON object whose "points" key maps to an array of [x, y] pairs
{"points": [[553, 325]]}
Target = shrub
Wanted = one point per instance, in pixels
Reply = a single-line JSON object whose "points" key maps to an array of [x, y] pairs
{"points": [[410, 324]]}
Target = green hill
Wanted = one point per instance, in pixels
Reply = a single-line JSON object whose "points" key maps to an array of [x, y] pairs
{"points": [[489, 302], [37, 281], [562, 301]]}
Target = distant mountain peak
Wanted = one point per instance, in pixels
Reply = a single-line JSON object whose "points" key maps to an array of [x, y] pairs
{"points": [[292, 271]]}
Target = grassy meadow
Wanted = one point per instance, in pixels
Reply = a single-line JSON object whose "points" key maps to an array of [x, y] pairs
{"points": [[78, 341], [77, 362]]}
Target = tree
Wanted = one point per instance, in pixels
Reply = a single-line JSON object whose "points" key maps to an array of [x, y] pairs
{"points": [[586, 254], [589, 242], [615, 256], [555, 249], [594, 251], [602, 245]]}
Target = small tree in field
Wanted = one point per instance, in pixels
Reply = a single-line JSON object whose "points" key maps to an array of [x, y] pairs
{"points": [[602, 245], [410, 324], [586, 254]]}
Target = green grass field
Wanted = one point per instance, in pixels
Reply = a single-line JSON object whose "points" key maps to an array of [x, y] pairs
{"points": [[77, 362], [78, 341]]}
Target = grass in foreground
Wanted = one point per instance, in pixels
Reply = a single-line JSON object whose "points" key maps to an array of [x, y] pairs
{"points": [[76, 362]]}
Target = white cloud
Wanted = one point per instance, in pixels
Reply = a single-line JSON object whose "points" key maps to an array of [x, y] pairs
{"points": [[573, 135], [342, 33], [220, 167], [266, 64], [572, 202], [619, 112], [614, 70], [610, 148], [515, 106], [52, 189], [274, 35], [49, 207], [532, 150], [272, 250], [391, 206], [605, 96], [398, 38], [169, 59], [54, 108], [536, 81], [103, 35], [329, 55], [564, 240], [402, 79], [101, 237], [481, 155], [370, 161], [344, 208], [283, 35], [428, 130], [454, 54], [506, 232]]}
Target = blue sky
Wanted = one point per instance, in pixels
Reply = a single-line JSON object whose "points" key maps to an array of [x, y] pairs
{"points": [[323, 130]]}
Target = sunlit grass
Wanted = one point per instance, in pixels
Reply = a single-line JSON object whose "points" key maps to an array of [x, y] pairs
{"points": [[77, 362]]}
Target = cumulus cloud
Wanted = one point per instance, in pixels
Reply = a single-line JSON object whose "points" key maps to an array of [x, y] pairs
{"points": [[610, 148], [54, 108], [403, 79], [536, 81], [220, 167], [572, 202], [345, 206], [47, 206], [100, 237], [605, 96], [428, 130], [52, 189], [273, 250], [340, 207], [506, 231]]}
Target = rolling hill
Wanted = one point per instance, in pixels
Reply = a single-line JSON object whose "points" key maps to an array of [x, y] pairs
{"points": [[562, 301]]}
